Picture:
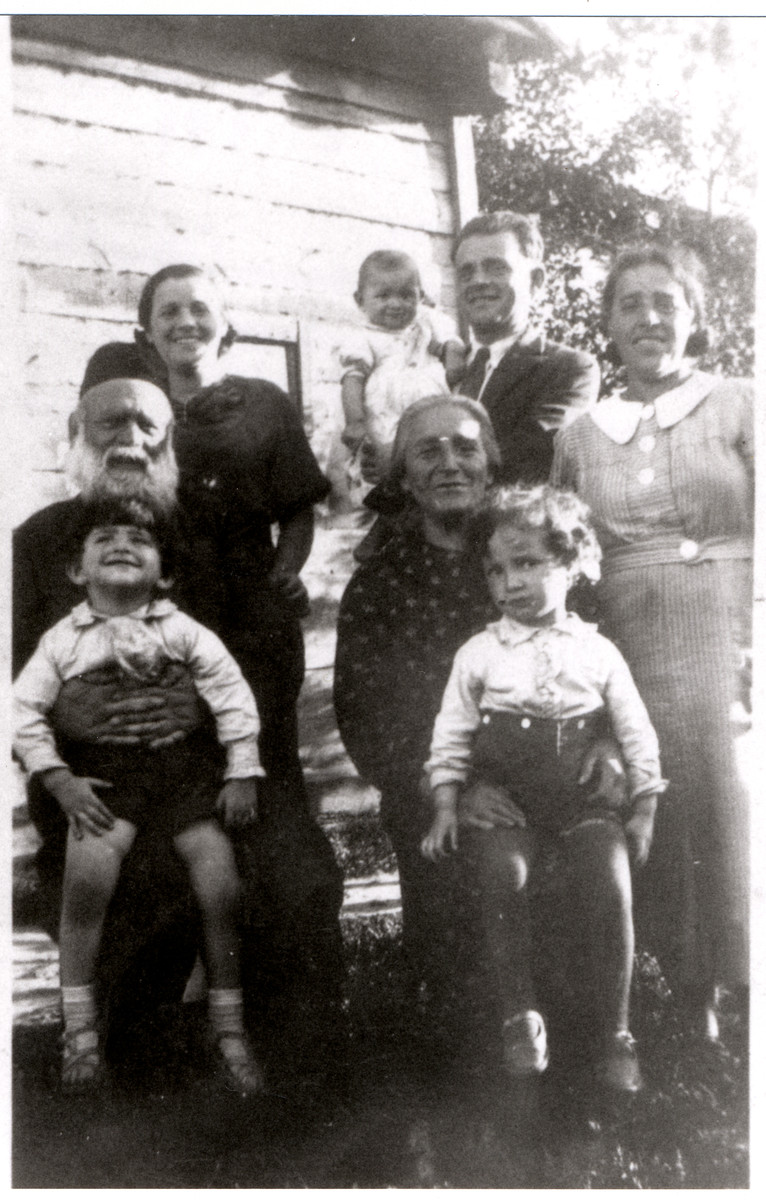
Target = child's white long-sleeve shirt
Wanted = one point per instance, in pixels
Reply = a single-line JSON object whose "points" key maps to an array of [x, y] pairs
{"points": [[559, 671], [141, 643]]}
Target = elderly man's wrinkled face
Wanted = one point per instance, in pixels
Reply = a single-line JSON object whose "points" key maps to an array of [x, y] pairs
{"points": [[446, 468], [122, 446]]}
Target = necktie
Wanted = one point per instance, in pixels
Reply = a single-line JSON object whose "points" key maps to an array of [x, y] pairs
{"points": [[475, 375]]}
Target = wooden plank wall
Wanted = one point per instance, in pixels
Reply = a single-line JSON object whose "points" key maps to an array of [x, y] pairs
{"points": [[285, 181]]}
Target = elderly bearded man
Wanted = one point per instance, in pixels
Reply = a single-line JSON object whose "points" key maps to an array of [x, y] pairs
{"points": [[122, 445]]}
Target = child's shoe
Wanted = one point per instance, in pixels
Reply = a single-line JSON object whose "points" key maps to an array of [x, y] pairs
{"points": [[82, 1067], [525, 1044], [618, 1065], [241, 1069]]}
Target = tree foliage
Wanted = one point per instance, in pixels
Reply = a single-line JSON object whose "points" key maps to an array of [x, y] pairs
{"points": [[599, 184]]}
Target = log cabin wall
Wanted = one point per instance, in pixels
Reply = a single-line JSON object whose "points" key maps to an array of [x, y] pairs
{"points": [[282, 171]]}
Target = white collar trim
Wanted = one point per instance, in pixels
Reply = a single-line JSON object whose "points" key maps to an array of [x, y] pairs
{"points": [[84, 615], [618, 418], [511, 633]]}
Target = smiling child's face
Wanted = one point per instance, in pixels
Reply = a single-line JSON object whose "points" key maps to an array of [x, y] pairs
{"points": [[525, 581], [119, 560], [389, 299]]}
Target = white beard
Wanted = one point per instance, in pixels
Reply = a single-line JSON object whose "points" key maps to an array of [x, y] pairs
{"points": [[88, 471]]}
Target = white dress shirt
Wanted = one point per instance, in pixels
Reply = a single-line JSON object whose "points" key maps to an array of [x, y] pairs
{"points": [[556, 672], [141, 643]]}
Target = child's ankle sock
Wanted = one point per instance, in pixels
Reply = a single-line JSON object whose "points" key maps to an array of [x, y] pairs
{"points": [[244, 1070], [226, 1008], [79, 1006]]}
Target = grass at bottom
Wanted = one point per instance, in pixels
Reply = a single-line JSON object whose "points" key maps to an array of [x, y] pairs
{"points": [[400, 1126], [688, 1128]]}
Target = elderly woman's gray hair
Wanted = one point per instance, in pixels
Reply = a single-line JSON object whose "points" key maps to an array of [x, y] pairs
{"points": [[471, 408]]}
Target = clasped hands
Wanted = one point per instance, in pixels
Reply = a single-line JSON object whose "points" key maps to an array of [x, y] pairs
{"points": [[153, 714]]}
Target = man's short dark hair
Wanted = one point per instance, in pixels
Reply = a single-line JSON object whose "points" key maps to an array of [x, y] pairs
{"points": [[525, 227]]}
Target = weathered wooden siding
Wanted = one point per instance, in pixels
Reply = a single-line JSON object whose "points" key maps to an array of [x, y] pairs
{"points": [[285, 180]]}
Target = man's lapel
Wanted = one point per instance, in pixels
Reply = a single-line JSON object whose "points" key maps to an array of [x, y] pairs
{"points": [[506, 395]]}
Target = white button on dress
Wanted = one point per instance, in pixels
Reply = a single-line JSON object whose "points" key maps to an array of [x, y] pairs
{"points": [[646, 476], [646, 444], [647, 412], [688, 549]]}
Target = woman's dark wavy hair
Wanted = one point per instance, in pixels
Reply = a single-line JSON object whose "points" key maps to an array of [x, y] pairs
{"points": [[685, 267], [562, 517], [177, 271], [118, 510]]}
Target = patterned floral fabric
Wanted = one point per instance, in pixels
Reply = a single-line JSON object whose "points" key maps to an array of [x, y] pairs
{"points": [[402, 618]]}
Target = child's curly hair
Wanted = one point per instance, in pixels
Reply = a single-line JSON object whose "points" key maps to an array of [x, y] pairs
{"points": [[116, 510], [562, 517]]}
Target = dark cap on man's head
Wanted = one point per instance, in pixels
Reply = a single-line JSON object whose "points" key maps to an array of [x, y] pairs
{"points": [[116, 360]]}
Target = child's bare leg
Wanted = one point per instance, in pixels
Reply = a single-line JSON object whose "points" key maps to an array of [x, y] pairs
{"points": [[598, 868], [209, 857], [500, 860], [500, 864], [92, 869]]}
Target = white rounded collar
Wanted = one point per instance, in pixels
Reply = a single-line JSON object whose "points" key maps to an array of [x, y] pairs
{"points": [[618, 418]]}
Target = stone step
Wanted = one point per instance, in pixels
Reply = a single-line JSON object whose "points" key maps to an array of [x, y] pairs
{"points": [[35, 990]]}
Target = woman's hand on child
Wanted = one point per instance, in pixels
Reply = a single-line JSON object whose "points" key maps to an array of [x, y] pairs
{"points": [[485, 805], [82, 807], [442, 836], [238, 802], [602, 763]]}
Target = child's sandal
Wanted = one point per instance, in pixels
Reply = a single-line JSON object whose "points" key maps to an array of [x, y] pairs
{"points": [[82, 1067], [241, 1070]]}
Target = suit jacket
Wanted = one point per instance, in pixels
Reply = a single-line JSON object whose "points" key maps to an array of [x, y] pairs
{"points": [[535, 381], [537, 387]]}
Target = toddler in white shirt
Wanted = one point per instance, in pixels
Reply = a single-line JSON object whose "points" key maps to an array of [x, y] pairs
{"points": [[525, 700], [126, 629], [405, 351]]}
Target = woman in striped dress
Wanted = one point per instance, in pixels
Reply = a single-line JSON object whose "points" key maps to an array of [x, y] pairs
{"points": [[666, 466]]}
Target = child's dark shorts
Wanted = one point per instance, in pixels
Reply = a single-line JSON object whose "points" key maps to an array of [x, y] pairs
{"points": [[537, 760], [166, 790]]}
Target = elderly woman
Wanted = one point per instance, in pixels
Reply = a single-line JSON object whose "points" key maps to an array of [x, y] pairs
{"points": [[403, 616], [666, 466]]}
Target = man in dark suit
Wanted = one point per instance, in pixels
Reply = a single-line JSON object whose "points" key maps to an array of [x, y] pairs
{"points": [[529, 385]]}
